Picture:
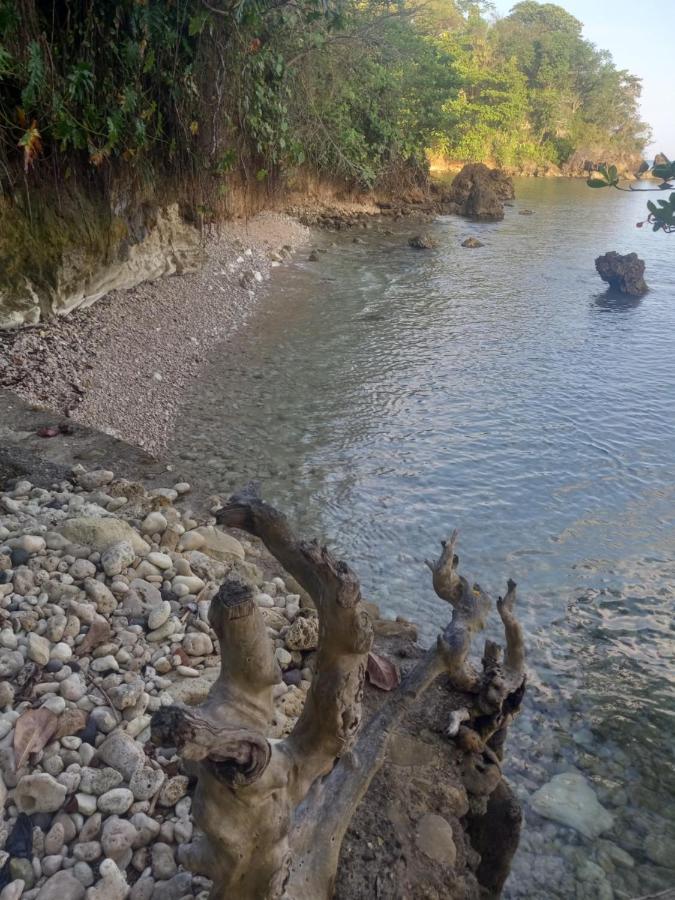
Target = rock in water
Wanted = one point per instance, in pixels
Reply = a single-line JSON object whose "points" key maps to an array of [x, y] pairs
{"points": [[473, 243], [422, 242], [570, 800], [623, 273], [479, 193]]}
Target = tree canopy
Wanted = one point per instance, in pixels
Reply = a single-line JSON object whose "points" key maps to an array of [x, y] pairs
{"points": [[353, 89]]}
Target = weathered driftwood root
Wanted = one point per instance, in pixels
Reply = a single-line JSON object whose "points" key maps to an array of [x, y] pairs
{"points": [[274, 813]]}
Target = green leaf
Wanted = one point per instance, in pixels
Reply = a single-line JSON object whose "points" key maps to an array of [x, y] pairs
{"points": [[597, 183], [197, 23]]}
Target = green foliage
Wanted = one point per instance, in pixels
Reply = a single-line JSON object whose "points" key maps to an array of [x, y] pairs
{"points": [[533, 90], [351, 89], [662, 213]]}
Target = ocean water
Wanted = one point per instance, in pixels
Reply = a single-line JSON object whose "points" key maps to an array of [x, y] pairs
{"points": [[384, 396]]}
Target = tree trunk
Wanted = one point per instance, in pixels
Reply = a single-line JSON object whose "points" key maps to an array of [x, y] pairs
{"points": [[273, 814]]}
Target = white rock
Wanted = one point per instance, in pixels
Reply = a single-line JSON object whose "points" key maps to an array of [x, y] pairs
{"points": [[161, 560], [105, 664], [182, 487], [569, 799], [154, 523], [39, 793], [61, 652], [86, 804], [159, 615], [191, 582]]}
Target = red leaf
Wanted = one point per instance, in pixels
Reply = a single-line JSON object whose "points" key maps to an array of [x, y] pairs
{"points": [[32, 732], [382, 673], [48, 431]]}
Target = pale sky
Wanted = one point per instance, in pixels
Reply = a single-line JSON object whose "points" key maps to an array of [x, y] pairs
{"points": [[641, 38]]}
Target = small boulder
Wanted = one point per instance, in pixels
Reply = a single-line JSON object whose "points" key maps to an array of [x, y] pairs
{"points": [[478, 192], [569, 799], [472, 243], [623, 273], [422, 242]]}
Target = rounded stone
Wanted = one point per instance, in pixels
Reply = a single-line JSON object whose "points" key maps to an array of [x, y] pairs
{"points": [[116, 802]]}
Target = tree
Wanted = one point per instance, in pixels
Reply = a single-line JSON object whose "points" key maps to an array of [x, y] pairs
{"points": [[662, 213], [273, 814]]}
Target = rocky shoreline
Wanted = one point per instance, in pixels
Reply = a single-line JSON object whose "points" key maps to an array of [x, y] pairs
{"points": [[121, 365], [104, 594]]}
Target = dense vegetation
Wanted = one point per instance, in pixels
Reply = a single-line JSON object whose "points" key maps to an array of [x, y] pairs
{"points": [[199, 91]]}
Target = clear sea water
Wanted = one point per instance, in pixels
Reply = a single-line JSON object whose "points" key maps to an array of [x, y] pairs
{"points": [[385, 396]]}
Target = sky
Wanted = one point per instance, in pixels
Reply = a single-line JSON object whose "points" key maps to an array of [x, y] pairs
{"points": [[641, 38]]}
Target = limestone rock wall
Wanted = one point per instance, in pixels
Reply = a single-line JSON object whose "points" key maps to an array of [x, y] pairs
{"points": [[164, 245]]}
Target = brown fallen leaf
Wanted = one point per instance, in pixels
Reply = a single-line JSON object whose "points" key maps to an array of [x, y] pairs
{"points": [[70, 722], [382, 673], [32, 732]]}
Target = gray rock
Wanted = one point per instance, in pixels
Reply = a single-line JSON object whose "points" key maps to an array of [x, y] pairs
{"points": [[87, 851], [62, 886], [569, 799], [175, 888], [82, 871], [117, 839], [100, 533], [147, 829], [117, 801], [11, 662], [82, 569], [99, 781], [123, 753], [163, 862], [101, 595], [118, 557], [145, 782]]}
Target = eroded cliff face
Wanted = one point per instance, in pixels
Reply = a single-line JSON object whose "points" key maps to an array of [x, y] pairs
{"points": [[75, 264]]}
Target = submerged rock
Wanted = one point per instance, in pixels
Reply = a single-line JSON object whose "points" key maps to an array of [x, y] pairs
{"points": [[623, 273], [422, 242], [472, 243], [569, 799]]}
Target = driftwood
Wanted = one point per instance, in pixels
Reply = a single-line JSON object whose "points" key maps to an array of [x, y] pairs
{"points": [[273, 813]]}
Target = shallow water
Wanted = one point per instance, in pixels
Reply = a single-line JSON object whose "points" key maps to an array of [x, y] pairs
{"points": [[385, 396]]}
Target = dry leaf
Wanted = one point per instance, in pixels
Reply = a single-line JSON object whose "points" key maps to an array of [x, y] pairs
{"points": [[382, 673], [32, 731], [71, 721]]}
